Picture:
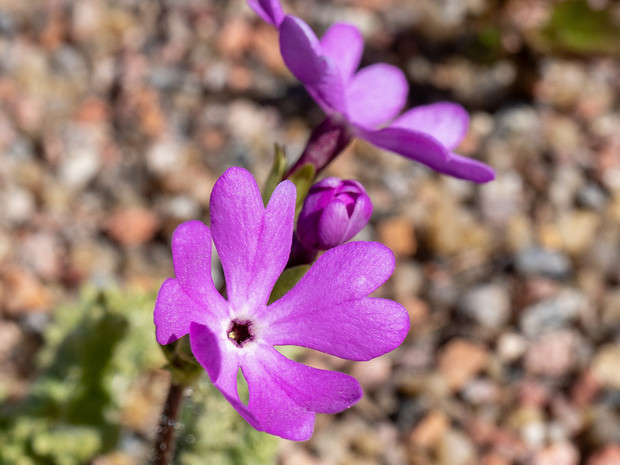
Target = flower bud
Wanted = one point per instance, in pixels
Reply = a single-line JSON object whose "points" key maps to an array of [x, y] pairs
{"points": [[333, 213]]}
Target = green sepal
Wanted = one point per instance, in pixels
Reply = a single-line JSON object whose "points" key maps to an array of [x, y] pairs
{"points": [[287, 281], [276, 175], [303, 179], [182, 364]]}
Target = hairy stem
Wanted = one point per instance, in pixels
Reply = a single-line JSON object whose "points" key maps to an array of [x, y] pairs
{"points": [[163, 447]]}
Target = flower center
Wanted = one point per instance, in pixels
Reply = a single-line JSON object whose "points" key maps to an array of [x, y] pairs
{"points": [[240, 332]]}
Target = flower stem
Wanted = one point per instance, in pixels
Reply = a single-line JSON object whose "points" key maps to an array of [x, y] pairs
{"points": [[163, 447]]}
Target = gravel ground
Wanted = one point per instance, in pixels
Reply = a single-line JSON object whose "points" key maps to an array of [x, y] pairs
{"points": [[117, 117]]}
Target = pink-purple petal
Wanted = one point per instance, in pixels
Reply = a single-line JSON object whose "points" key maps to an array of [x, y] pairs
{"points": [[375, 95], [253, 242], [174, 312], [415, 145], [301, 50], [445, 121], [359, 218], [191, 255], [316, 390], [467, 168], [333, 224], [275, 411], [221, 365], [269, 10], [347, 272], [340, 319], [303, 55], [343, 44], [359, 329]]}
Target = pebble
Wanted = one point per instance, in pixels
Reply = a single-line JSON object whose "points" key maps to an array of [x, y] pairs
{"points": [[132, 226], [455, 448], [372, 374], [552, 354], [24, 292], [407, 280], [460, 360], [553, 313], [609, 455], [537, 261], [18, 205], [487, 305], [430, 429], [398, 235], [529, 422], [605, 366], [510, 346], [559, 453]]}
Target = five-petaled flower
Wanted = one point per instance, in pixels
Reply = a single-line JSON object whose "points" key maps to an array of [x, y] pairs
{"points": [[366, 103], [328, 310]]}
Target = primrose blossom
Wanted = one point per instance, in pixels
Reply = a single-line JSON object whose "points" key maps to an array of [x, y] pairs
{"points": [[366, 103], [328, 310]]}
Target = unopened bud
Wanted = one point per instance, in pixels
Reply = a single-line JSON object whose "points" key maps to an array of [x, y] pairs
{"points": [[334, 212]]}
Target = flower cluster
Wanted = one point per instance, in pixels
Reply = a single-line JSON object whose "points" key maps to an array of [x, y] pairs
{"points": [[328, 310], [366, 103]]}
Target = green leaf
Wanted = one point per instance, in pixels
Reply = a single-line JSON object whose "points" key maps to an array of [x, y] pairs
{"points": [[277, 173], [287, 281], [303, 179], [575, 27]]}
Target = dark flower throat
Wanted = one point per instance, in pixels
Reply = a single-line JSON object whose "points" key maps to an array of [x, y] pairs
{"points": [[240, 332]]}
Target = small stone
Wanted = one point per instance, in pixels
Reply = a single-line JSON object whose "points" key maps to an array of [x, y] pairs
{"points": [[42, 253], [605, 366], [18, 205], [10, 339], [559, 453], [609, 455], [503, 198], [418, 310], [482, 391], [552, 354], [578, 229], [407, 280], [511, 346], [24, 292], [132, 226], [529, 422], [553, 313], [592, 196], [461, 360], [234, 37], [398, 234], [493, 458], [585, 389], [538, 261], [488, 305], [455, 448], [430, 429], [373, 373], [532, 393]]}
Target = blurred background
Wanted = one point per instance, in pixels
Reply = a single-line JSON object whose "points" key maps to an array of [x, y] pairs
{"points": [[116, 118]]}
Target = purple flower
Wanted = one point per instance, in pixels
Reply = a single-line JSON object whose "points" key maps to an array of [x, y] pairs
{"points": [[333, 213], [367, 102], [328, 310], [269, 10]]}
